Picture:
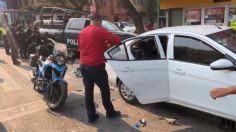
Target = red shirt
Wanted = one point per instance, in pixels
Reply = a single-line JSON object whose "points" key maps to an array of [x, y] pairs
{"points": [[93, 41]]}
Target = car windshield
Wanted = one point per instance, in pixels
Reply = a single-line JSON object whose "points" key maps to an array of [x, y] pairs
{"points": [[109, 26], [227, 38]]}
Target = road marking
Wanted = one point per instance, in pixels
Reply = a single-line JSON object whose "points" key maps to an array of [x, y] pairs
{"points": [[28, 108]]}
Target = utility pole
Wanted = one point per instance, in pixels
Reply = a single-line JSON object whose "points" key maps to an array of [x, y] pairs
{"points": [[158, 13]]}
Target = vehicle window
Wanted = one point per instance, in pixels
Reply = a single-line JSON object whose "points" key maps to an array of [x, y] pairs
{"points": [[193, 50], [145, 49], [107, 25], [55, 25], [164, 43], [118, 53], [226, 38], [77, 25]]}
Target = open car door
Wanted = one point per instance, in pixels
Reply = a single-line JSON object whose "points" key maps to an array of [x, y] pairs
{"points": [[141, 65]]}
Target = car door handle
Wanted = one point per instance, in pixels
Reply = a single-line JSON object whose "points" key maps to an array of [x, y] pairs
{"points": [[127, 69], [179, 71]]}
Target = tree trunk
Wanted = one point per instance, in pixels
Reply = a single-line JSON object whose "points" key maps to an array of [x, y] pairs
{"points": [[136, 17], [78, 6], [64, 5]]}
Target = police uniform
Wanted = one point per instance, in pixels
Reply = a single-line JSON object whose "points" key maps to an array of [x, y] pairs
{"points": [[12, 44], [4, 36]]}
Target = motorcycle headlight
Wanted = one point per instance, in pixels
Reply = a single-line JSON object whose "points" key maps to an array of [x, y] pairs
{"points": [[60, 60]]}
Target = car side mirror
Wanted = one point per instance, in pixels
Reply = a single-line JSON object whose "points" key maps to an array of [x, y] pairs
{"points": [[222, 64]]}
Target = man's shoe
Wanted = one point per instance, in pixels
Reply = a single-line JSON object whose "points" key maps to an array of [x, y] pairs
{"points": [[16, 63], [93, 118], [113, 114]]}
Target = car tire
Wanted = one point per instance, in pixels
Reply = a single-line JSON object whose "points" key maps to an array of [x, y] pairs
{"points": [[126, 94]]}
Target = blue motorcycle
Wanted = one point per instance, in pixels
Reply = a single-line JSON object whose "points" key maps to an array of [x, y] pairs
{"points": [[49, 74]]}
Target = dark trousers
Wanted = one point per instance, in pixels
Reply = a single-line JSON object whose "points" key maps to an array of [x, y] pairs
{"points": [[96, 75], [13, 45], [14, 52], [6, 45]]}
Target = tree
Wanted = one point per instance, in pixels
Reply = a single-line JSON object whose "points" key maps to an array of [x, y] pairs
{"points": [[131, 10], [79, 4], [133, 13]]}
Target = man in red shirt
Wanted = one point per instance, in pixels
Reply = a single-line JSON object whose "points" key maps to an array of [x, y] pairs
{"points": [[93, 42]]}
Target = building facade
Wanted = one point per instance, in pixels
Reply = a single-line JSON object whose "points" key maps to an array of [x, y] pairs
{"points": [[38, 4], [12, 4], [112, 9], [196, 12]]}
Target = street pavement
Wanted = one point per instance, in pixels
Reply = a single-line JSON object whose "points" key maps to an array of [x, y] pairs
{"points": [[23, 110]]}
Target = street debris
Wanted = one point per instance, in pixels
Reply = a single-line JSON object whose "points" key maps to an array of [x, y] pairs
{"points": [[112, 89], [79, 90], [143, 122], [113, 98], [136, 125], [77, 73], [54, 113], [171, 121]]}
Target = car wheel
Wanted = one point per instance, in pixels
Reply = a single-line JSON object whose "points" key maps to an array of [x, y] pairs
{"points": [[126, 94]]}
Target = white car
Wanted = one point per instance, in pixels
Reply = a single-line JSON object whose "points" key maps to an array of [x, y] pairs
{"points": [[128, 27], [179, 65]]}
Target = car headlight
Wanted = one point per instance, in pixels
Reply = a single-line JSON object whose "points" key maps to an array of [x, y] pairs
{"points": [[60, 60]]}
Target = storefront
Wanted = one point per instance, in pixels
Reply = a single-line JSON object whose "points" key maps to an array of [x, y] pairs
{"points": [[197, 12]]}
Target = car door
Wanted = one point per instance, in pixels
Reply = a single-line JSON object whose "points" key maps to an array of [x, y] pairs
{"points": [[191, 78], [141, 65], [71, 32]]}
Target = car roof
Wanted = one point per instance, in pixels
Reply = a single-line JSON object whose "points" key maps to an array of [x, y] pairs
{"points": [[80, 18], [196, 29], [83, 18]]}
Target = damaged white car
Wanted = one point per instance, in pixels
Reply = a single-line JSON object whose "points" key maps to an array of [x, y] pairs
{"points": [[178, 65]]}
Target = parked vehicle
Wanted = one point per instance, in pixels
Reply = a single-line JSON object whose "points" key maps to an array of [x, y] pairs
{"points": [[14, 17], [50, 72], [71, 27], [128, 27], [177, 65]]}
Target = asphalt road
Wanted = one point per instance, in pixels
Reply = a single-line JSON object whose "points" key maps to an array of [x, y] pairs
{"points": [[23, 110]]}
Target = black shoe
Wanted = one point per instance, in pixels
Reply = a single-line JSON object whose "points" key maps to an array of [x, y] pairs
{"points": [[93, 118], [16, 63], [113, 114]]}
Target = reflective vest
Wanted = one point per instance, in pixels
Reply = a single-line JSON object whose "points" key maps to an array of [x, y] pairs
{"points": [[4, 30]]}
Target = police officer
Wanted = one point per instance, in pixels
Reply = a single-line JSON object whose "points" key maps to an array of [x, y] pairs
{"points": [[20, 40], [4, 30], [12, 44]]}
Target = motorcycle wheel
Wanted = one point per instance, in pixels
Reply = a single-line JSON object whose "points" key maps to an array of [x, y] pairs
{"points": [[56, 96], [39, 87]]}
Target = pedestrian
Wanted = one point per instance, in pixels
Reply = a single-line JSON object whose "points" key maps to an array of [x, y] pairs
{"points": [[13, 45], [4, 37], [20, 40], [222, 92], [93, 41]]}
